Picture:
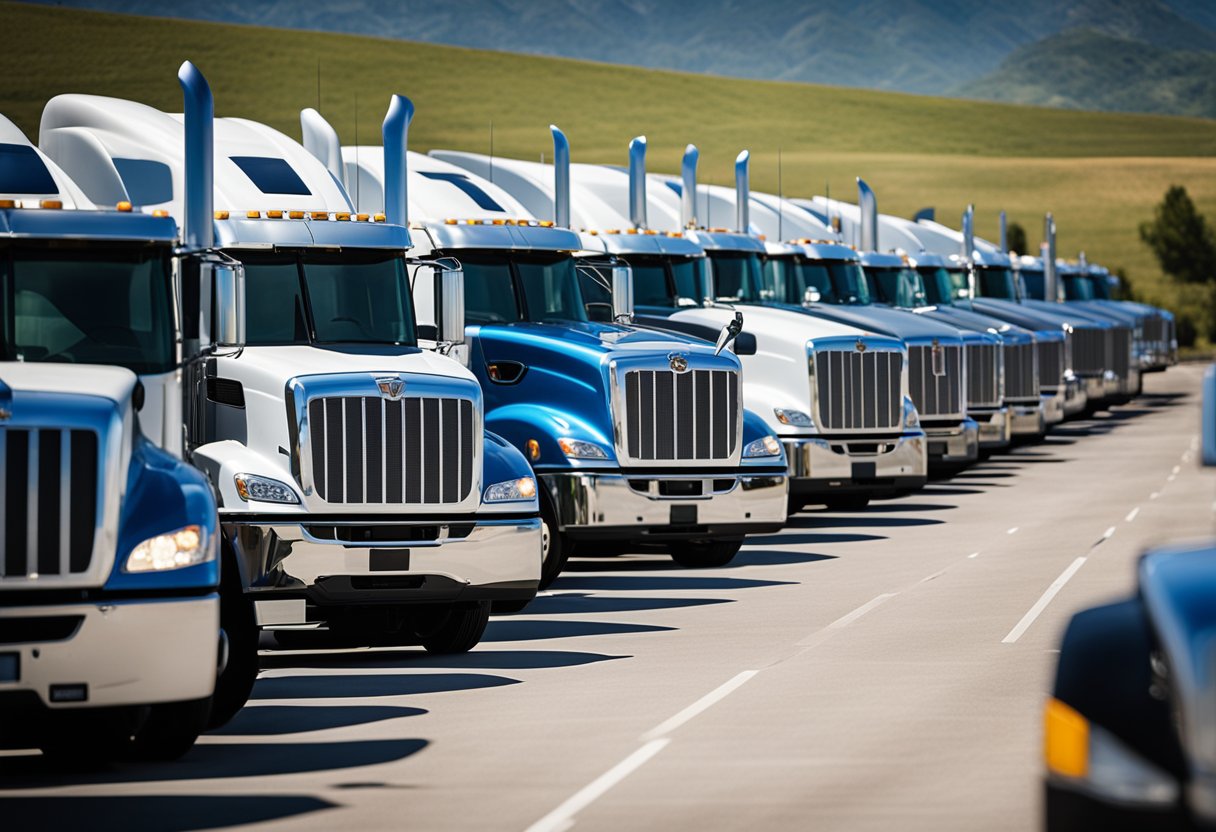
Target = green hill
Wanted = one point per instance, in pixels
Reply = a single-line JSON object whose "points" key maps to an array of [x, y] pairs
{"points": [[1100, 173]]}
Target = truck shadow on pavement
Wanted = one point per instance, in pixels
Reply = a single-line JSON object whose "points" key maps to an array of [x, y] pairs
{"points": [[417, 657], [661, 582], [372, 684], [518, 629], [272, 720], [585, 604], [153, 813]]}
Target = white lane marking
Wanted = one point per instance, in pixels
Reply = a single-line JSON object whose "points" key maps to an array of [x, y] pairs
{"points": [[1106, 535], [977, 554], [714, 696], [1171, 478], [1040, 605], [1177, 468], [936, 574], [1014, 530], [846, 620], [1131, 515], [1154, 495], [562, 817]]}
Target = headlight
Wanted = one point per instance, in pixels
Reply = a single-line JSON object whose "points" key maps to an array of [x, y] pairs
{"points": [[264, 489], [766, 446], [578, 449], [796, 418], [176, 550], [1078, 751], [523, 488]]}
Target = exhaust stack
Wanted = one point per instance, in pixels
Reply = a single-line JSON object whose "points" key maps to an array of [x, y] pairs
{"points": [[1051, 280], [868, 206], [198, 228], [743, 193], [321, 140], [1004, 234], [637, 182], [688, 198], [396, 142], [561, 178]]}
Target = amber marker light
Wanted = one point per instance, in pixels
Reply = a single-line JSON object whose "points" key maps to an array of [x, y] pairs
{"points": [[1065, 740], [533, 450]]}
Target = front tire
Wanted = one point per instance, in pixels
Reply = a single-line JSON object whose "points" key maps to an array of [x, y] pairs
{"points": [[454, 630], [556, 547], [848, 502], [706, 555], [237, 619]]}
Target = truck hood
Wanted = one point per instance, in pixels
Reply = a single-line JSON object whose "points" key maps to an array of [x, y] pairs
{"points": [[113, 383], [884, 320], [279, 364], [595, 340]]}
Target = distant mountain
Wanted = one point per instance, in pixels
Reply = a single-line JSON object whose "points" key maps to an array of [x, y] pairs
{"points": [[1085, 69], [921, 46]]}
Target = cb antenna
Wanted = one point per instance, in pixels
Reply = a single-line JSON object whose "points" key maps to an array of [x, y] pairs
{"points": [[491, 150], [318, 85], [780, 199], [358, 170]]}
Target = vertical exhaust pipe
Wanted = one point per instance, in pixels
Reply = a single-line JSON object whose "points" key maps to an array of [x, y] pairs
{"points": [[688, 197], [969, 234], [396, 142], [867, 204], [321, 140], [743, 193], [561, 178], [198, 228], [1004, 234], [1051, 280], [637, 182]]}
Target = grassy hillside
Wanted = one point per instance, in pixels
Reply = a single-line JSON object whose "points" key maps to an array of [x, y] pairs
{"points": [[1099, 172]]}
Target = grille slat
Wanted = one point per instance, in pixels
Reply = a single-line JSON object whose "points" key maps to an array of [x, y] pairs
{"points": [[1121, 345], [1051, 362], [1088, 351], [48, 504], [936, 396], [681, 416], [983, 387], [406, 452], [858, 391], [1021, 372]]}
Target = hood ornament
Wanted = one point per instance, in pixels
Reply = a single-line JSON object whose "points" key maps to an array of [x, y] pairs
{"points": [[861, 345], [679, 364], [391, 387]]}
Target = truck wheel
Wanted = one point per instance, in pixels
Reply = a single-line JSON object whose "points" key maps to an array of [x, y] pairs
{"points": [[555, 546], [237, 620], [696, 555], [453, 630], [848, 502], [170, 730]]}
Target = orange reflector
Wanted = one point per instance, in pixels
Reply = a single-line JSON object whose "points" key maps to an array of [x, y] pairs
{"points": [[450, 221], [253, 215], [342, 216], [8, 203], [274, 215], [50, 203], [1065, 740], [500, 222], [378, 218], [320, 215], [123, 206], [221, 215], [160, 212], [295, 215], [546, 223], [533, 449], [360, 217]]}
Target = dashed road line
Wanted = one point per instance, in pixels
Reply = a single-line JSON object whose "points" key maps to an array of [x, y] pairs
{"points": [[1131, 515], [1106, 535], [704, 703], [977, 554], [846, 620], [1177, 468], [1045, 599], [562, 817], [1014, 530], [1154, 495]]}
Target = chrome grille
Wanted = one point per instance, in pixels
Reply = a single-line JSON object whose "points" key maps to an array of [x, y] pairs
{"points": [[1021, 372], [1121, 345], [367, 449], [1051, 362], [1088, 351], [936, 390], [859, 390], [692, 415], [983, 375], [49, 500]]}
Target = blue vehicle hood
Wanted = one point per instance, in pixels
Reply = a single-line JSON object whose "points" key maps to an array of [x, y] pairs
{"points": [[591, 339], [1021, 313], [976, 321]]}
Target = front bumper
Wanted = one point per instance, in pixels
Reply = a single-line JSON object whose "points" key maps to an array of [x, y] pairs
{"points": [[820, 466], [995, 427], [121, 652], [659, 507], [1076, 400], [1027, 419], [1095, 388], [953, 444], [1051, 405], [330, 563]]}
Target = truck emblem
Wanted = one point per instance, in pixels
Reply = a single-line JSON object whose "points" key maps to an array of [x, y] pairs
{"points": [[938, 359], [391, 387], [861, 345], [679, 363]]}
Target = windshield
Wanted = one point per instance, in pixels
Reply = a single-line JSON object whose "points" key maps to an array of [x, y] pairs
{"points": [[787, 280], [1102, 287], [1078, 287], [896, 286], [327, 297], [737, 277], [667, 282], [86, 302], [938, 285], [995, 283], [1034, 283], [509, 287]]}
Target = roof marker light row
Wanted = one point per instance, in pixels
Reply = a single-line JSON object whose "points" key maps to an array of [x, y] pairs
{"points": [[316, 216]]}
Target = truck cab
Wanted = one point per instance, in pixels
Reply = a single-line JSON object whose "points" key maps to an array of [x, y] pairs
{"points": [[110, 627], [671, 272], [637, 437], [359, 489]]}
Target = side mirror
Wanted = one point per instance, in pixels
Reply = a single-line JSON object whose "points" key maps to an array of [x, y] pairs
{"points": [[449, 305], [1208, 433], [962, 294], [622, 294], [729, 333], [812, 296], [228, 289]]}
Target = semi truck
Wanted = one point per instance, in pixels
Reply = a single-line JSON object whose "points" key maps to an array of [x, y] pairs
{"points": [[830, 461], [111, 633], [638, 438], [358, 488]]}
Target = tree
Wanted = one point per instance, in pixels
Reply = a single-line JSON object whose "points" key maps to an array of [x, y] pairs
{"points": [[1015, 236], [1180, 238]]}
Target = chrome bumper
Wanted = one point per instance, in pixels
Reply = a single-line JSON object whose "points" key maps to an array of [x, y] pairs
{"points": [[288, 567], [1027, 420], [995, 427], [823, 466], [121, 653], [1052, 406], [644, 507], [1094, 388], [957, 443], [1075, 397]]}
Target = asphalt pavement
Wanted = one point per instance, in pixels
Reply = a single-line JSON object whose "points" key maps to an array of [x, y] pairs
{"points": [[875, 670]]}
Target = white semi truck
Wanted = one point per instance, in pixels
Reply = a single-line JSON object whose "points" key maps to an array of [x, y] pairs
{"points": [[358, 487]]}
